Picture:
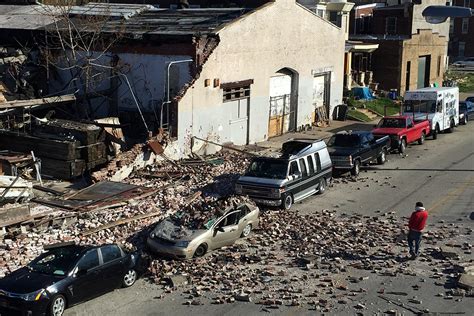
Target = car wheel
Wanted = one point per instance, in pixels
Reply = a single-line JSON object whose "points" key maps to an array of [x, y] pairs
{"points": [[57, 306], [322, 186], [201, 250], [246, 231], [287, 202], [129, 278], [466, 119], [382, 158], [422, 138], [403, 146], [356, 169]]}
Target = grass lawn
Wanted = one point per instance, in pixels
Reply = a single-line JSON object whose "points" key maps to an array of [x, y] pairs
{"points": [[464, 80], [358, 116], [377, 105]]}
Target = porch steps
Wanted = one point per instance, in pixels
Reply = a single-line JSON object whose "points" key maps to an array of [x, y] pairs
{"points": [[370, 114]]}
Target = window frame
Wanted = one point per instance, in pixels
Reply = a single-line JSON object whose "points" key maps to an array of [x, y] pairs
{"points": [[317, 158], [99, 259], [102, 255], [387, 25], [465, 26], [311, 169]]}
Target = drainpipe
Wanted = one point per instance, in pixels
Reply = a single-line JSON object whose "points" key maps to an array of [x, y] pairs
{"points": [[168, 101]]}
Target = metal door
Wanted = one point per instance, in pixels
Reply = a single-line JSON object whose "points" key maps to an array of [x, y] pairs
{"points": [[239, 121]]}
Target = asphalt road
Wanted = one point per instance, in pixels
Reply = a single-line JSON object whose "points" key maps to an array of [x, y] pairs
{"points": [[440, 173]]}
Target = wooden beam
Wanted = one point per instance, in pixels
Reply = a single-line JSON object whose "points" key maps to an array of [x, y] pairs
{"points": [[33, 102]]}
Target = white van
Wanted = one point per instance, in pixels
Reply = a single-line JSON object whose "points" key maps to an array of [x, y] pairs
{"points": [[439, 104]]}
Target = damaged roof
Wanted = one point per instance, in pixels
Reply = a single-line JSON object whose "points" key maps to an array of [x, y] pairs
{"points": [[27, 17]]}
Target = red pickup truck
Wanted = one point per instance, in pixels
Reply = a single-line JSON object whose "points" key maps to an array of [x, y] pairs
{"points": [[402, 130]]}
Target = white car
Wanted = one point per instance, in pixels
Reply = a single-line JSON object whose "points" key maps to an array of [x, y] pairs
{"points": [[468, 62]]}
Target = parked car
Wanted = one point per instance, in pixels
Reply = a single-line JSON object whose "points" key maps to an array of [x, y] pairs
{"points": [[402, 131], [301, 169], [468, 62], [470, 99], [66, 275], [171, 238], [466, 111], [349, 150]]}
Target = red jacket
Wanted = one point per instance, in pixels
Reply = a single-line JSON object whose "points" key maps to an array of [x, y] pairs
{"points": [[418, 220]]}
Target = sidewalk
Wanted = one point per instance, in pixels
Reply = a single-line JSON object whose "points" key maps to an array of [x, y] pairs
{"points": [[275, 143]]}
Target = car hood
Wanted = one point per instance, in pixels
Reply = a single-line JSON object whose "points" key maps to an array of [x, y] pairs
{"points": [[170, 231], [23, 281], [387, 131], [261, 181], [342, 151]]}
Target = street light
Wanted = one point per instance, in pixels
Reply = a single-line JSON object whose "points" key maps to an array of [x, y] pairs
{"points": [[437, 14]]}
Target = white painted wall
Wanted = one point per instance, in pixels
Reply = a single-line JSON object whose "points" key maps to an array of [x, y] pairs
{"points": [[278, 35]]}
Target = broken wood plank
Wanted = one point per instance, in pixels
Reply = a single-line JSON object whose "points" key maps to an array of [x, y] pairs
{"points": [[47, 189], [120, 222], [225, 146], [33, 102]]}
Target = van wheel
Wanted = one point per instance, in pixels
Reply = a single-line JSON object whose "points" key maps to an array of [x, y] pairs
{"points": [[287, 202], [322, 186], [403, 146], [422, 138], [466, 119], [382, 158], [356, 169], [451, 127], [435, 132]]}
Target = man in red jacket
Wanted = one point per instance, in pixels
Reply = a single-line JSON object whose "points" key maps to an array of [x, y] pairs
{"points": [[416, 225]]}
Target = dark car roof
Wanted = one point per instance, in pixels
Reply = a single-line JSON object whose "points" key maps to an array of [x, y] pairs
{"points": [[359, 133]]}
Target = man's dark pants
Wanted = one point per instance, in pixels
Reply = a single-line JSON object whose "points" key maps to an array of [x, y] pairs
{"points": [[414, 241]]}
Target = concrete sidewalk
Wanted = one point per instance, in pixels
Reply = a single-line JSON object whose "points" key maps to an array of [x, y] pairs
{"points": [[324, 133]]}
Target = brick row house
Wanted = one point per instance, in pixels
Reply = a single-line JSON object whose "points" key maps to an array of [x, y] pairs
{"points": [[411, 53], [461, 34]]}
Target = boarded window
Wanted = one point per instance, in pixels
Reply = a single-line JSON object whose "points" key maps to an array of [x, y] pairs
{"points": [[465, 26], [231, 94], [310, 165]]}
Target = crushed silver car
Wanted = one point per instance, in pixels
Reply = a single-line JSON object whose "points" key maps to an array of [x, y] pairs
{"points": [[194, 239]]}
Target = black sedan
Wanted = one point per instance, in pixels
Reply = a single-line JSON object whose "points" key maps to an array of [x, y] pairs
{"points": [[466, 112], [64, 276]]}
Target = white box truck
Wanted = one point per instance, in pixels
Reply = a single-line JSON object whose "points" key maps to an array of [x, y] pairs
{"points": [[439, 104]]}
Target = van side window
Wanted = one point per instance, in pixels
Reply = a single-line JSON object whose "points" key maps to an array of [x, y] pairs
{"points": [[304, 172], [318, 162], [293, 168], [310, 165]]}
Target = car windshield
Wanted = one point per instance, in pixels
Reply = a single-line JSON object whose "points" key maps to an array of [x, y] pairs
{"points": [[187, 220], [420, 106], [268, 168], [56, 261], [392, 123], [344, 140]]}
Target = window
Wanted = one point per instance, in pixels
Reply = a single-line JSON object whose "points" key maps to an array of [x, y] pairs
{"points": [[231, 94], [110, 252], [461, 48], [439, 65], [89, 261], [310, 165], [451, 26], [467, 3], [370, 138], [409, 122], [335, 18], [293, 168], [318, 161], [465, 26], [391, 25], [230, 219], [304, 172]]}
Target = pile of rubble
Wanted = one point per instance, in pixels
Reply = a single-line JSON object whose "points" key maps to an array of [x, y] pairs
{"points": [[194, 187]]}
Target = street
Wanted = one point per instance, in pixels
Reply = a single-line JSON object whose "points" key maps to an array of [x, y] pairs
{"points": [[440, 173]]}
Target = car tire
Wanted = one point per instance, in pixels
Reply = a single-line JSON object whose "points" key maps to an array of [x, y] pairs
{"points": [[466, 119], [287, 202], [403, 146], [57, 305], [356, 169], [246, 231], [421, 141], [382, 158], [129, 278], [200, 250], [322, 186]]}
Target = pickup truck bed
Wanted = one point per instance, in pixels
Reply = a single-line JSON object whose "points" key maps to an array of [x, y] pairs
{"points": [[402, 131]]}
